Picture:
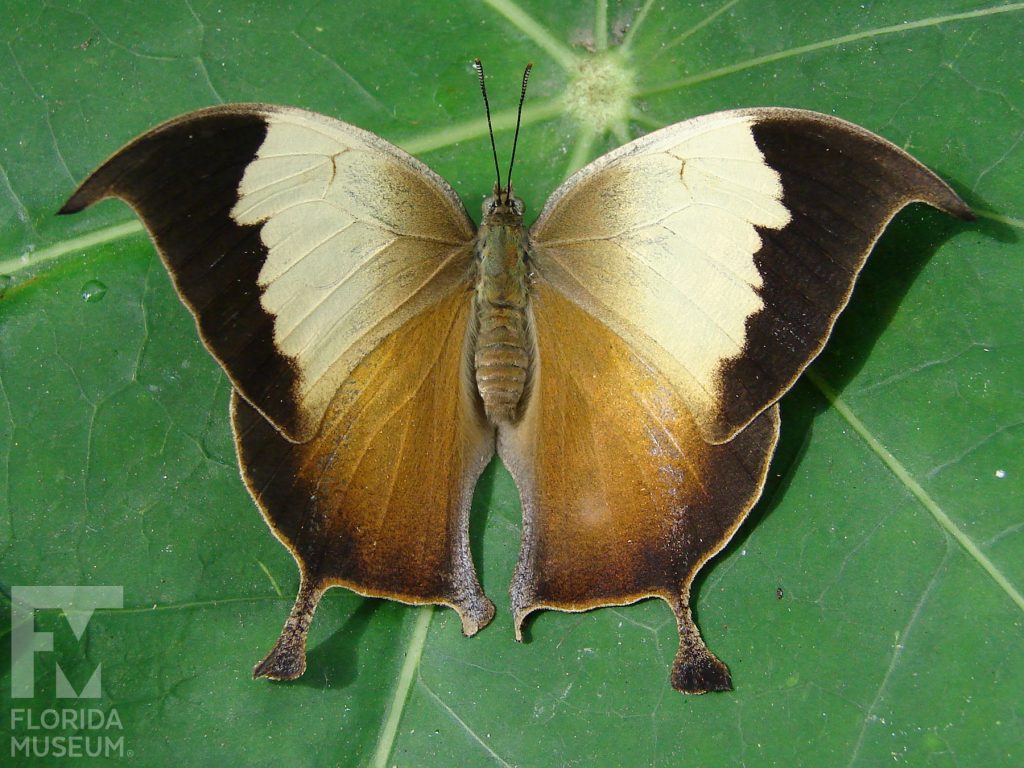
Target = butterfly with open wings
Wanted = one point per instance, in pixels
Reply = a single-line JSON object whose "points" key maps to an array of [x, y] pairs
{"points": [[624, 356]]}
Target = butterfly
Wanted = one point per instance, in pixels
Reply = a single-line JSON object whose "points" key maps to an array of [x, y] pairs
{"points": [[624, 356]]}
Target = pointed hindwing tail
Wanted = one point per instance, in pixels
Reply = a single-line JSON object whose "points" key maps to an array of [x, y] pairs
{"points": [[683, 283], [378, 500], [622, 497]]}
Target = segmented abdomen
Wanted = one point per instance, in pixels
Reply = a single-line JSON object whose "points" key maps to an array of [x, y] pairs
{"points": [[501, 359]]}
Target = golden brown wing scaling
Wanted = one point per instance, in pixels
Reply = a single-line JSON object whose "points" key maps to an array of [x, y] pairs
{"points": [[622, 499], [327, 272], [378, 501]]}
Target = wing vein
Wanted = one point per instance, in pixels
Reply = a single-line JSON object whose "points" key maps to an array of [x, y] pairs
{"points": [[250, 191], [676, 290], [626, 324], [300, 319], [298, 261], [396, 409]]}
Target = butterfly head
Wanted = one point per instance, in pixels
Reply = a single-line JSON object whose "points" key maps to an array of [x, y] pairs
{"points": [[502, 208]]}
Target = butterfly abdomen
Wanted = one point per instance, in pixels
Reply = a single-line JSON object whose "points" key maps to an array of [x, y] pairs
{"points": [[501, 360], [501, 357]]}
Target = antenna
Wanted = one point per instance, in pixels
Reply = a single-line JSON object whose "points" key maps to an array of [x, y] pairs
{"points": [[519, 119], [487, 108]]}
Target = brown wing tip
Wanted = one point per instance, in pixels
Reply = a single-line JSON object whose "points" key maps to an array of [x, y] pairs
{"points": [[517, 622], [695, 669], [96, 187], [120, 173], [101, 183], [77, 202], [961, 210], [940, 195]]}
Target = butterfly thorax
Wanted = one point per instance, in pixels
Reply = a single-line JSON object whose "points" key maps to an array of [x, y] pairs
{"points": [[501, 357]]}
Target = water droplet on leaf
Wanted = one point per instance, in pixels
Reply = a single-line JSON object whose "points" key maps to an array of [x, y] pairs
{"points": [[93, 291]]}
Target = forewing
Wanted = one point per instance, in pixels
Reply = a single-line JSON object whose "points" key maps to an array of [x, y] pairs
{"points": [[724, 247], [378, 500], [297, 241], [622, 498]]}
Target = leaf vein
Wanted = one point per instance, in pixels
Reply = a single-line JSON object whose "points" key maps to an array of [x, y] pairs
{"points": [[833, 42], [944, 521], [463, 724], [536, 32]]}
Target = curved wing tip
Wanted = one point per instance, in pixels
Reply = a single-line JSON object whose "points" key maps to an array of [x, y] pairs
{"points": [[961, 210], [519, 616], [84, 196], [942, 196], [77, 202]]}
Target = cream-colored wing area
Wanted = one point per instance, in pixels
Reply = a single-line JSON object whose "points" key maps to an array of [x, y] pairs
{"points": [[298, 243], [723, 248], [378, 500], [622, 498], [359, 236]]}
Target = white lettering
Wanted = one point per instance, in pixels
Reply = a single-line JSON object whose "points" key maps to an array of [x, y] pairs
{"points": [[78, 745], [66, 719]]}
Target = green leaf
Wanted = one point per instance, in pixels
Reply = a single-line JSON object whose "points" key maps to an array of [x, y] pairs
{"points": [[871, 609]]}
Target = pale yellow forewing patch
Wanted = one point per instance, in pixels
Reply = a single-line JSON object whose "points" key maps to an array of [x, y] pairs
{"points": [[658, 240], [297, 241], [723, 248], [359, 238]]}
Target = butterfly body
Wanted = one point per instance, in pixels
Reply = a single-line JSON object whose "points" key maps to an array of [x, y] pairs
{"points": [[623, 357], [502, 344]]}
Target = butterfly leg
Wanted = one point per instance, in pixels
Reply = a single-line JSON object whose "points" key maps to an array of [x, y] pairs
{"points": [[287, 659]]}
